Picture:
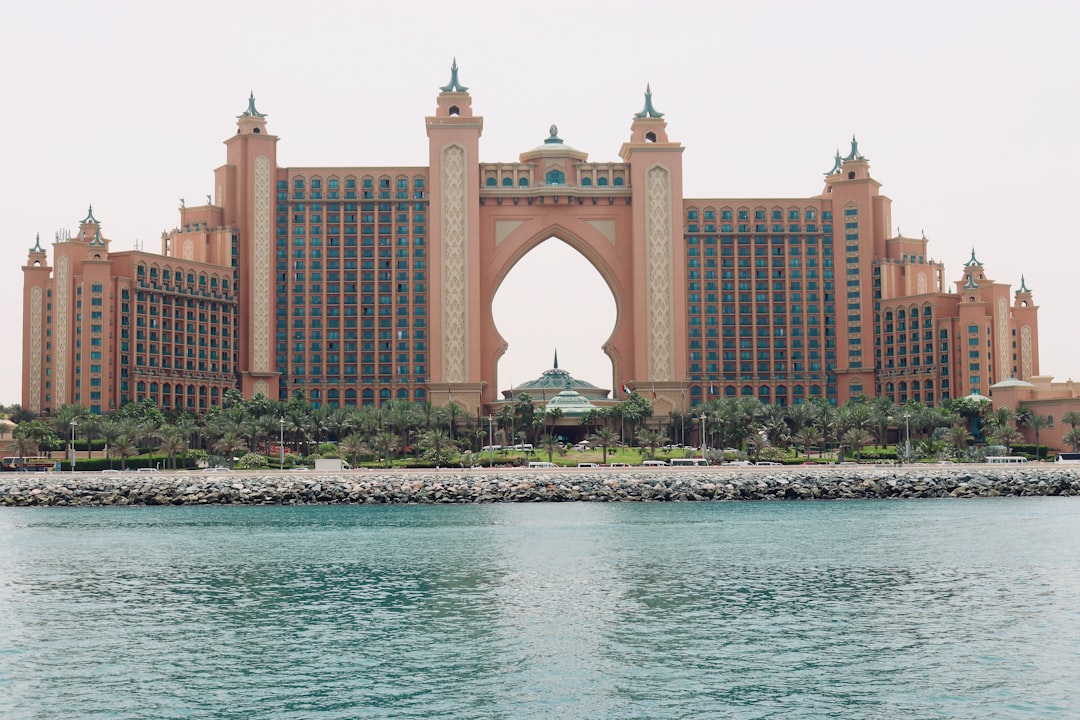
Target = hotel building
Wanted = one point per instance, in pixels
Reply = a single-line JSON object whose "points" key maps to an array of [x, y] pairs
{"points": [[354, 285]]}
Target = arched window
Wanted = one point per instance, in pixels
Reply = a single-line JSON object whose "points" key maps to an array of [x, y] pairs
{"points": [[586, 181], [619, 182], [508, 181], [602, 181], [523, 181], [490, 182], [555, 177]]}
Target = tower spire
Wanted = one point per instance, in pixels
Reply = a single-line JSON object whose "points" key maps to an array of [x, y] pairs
{"points": [[556, 365], [1023, 286], [836, 164], [854, 154], [37, 245], [90, 219], [251, 111], [648, 111], [973, 262], [454, 85]]}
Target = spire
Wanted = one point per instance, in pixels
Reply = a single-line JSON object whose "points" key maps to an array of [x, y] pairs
{"points": [[854, 154], [37, 245], [556, 365], [836, 164], [970, 284], [648, 111], [1023, 286], [97, 241], [973, 261], [251, 111], [454, 85], [553, 136], [90, 219]]}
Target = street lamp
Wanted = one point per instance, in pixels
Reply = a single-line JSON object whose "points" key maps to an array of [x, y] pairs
{"points": [[73, 425], [491, 442], [703, 436], [281, 443], [907, 437]]}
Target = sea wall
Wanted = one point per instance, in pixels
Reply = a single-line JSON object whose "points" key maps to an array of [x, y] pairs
{"points": [[519, 485]]}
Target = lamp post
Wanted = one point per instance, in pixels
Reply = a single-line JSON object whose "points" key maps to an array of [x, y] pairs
{"points": [[703, 436], [73, 425], [491, 442], [907, 437], [281, 443]]}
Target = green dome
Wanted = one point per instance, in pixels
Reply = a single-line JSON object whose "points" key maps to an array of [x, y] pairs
{"points": [[572, 404]]}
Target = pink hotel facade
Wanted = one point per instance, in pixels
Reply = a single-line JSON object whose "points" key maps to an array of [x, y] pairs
{"points": [[354, 285]]}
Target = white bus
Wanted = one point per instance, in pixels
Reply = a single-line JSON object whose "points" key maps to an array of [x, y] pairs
{"points": [[1068, 457], [691, 462], [1005, 459]]}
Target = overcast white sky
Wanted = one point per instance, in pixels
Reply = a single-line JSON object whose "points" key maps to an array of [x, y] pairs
{"points": [[967, 111]]}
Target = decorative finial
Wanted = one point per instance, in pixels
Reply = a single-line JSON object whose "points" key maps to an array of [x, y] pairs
{"points": [[973, 261], [836, 164], [97, 241], [970, 284], [182, 203], [553, 136], [899, 232], [556, 365], [454, 85], [923, 233], [854, 154], [1023, 286], [37, 245], [251, 111], [648, 111], [90, 219], [208, 200]]}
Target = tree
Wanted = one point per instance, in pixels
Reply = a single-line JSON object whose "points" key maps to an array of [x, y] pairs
{"points": [[550, 443], [230, 445], [958, 436], [388, 444], [1072, 418], [1036, 423], [1006, 435], [1072, 438], [857, 438], [809, 436], [605, 437], [173, 441], [650, 439]]}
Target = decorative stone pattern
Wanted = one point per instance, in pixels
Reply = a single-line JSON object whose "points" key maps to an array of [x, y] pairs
{"points": [[921, 284], [189, 249], [261, 387], [1004, 360], [658, 272], [35, 349], [60, 395], [260, 271], [454, 265], [1027, 362]]}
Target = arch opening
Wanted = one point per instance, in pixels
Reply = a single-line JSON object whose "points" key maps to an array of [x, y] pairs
{"points": [[554, 299]]}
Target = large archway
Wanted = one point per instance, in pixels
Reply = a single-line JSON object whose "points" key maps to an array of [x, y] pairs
{"points": [[554, 299]]}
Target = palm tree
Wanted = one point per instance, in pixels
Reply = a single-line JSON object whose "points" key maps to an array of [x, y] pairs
{"points": [[551, 444], [353, 446], [1006, 435], [387, 443], [809, 436], [958, 436], [605, 437], [230, 444], [435, 439], [1072, 417], [650, 439], [173, 441], [857, 438], [1072, 438], [1037, 422]]}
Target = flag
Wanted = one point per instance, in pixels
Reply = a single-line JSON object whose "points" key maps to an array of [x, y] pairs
{"points": [[712, 389], [654, 394], [625, 389]]}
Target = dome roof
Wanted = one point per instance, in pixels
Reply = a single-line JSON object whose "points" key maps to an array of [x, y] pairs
{"points": [[571, 403]]}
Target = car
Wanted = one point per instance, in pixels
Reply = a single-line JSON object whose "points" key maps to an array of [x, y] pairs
{"points": [[146, 469], [654, 463], [618, 464], [537, 464], [586, 465], [767, 462]]}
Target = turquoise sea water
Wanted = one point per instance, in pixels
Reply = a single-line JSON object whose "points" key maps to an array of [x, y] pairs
{"points": [[922, 609]]}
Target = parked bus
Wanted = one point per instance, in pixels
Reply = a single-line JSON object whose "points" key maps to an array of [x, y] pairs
{"points": [[1068, 457], [692, 462], [29, 464], [1005, 459]]}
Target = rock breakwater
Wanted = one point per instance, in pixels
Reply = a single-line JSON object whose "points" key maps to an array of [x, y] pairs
{"points": [[564, 485]]}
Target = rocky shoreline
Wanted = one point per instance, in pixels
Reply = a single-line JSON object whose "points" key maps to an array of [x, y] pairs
{"points": [[563, 485]]}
